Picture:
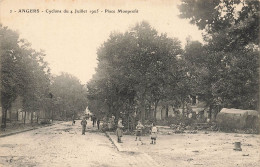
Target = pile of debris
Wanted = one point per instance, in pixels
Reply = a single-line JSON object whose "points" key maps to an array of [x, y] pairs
{"points": [[181, 128]]}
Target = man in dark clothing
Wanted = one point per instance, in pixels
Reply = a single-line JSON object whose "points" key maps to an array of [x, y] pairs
{"points": [[83, 124], [98, 123], [73, 120], [94, 120]]}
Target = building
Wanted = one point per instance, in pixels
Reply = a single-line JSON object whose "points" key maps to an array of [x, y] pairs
{"points": [[237, 118]]}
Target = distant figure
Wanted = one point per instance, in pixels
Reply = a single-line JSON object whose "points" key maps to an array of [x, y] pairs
{"points": [[98, 123], [119, 133], [83, 124], [111, 123], [154, 131], [73, 120], [94, 119], [87, 116], [139, 129]]}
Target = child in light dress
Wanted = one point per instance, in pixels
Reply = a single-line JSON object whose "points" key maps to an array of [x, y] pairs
{"points": [[154, 132], [139, 129]]}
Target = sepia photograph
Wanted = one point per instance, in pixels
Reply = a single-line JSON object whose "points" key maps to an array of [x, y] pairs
{"points": [[129, 83]]}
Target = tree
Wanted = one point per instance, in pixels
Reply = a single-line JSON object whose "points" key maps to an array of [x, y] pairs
{"points": [[230, 53], [35, 79], [69, 97], [134, 70], [9, 52], [23, 73]]}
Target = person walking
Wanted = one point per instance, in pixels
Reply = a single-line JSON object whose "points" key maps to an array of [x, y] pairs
{"points": [[73, 120], [98, 123], [83, 124], [154, 131], [94, 119], [139, 129]]}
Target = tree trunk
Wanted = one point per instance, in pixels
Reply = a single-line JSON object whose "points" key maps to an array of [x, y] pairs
{"points": [[4, 117], [142, 108], [10, 113], [31, 117], [210, 112], [128, 122], [155, 109], [183, 106], [150, 111], [167, 111], [52, 115], [24, 117], [161, 113]]}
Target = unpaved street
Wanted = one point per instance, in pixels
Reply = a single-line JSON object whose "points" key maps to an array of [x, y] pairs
{"points": [[204, 149], [63, 145]]}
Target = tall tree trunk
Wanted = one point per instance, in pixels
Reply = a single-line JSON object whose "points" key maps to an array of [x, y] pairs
{"points": [[183, 107], [210, 112], [24, 117], [37, 116], [150, 111], [4, 117], [128, 122], [10, 113], [155, 108], [142, 110], [52, 115], [31, 117], [146, 113], [167, 111], [161, 113]]}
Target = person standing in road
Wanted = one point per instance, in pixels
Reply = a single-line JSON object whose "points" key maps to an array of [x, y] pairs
{"points": [[73, 120], [83, 124], [119, 132], [139, 129], [94, 119], [154, 131], [98, 123]]}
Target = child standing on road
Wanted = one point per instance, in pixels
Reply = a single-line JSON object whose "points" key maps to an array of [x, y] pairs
{"points": [[154, 131], [139, 129], [119, 132], [83, 124]]}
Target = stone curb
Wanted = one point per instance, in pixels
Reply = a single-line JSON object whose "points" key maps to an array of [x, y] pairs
{"points": [[17, 132], [118, 147]]}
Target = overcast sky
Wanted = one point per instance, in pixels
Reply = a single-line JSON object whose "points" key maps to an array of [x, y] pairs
{"points": [[70, 41]]}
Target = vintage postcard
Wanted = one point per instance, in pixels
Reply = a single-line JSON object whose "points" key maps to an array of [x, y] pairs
{"points": [[129, 83]]}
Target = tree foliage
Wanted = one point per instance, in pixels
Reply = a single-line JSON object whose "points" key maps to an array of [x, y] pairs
{"points": [[135, 70], [25, 73], [229, 59], [69, 96]]}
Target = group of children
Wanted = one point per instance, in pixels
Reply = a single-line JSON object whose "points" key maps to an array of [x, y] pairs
{"points": [[119, 130], [139, 128]]}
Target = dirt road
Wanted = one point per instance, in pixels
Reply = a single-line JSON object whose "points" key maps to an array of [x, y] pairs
{"points": [[63, 145]]}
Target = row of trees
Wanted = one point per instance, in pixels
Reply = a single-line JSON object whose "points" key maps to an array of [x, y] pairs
{"points": [[227, 66], [24, 73], [139, 69]]}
